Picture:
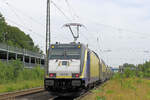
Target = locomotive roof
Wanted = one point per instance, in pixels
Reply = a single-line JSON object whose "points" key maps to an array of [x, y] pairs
{"points": [[68, 44]]}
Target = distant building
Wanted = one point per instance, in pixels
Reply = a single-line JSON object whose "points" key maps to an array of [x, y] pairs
{"points": [[115, 70]]}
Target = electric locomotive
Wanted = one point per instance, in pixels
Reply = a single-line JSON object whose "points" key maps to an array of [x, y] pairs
{"points": [[73, 67]]}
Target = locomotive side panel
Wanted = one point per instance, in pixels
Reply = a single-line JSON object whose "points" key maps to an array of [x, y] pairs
{"points": [[94, 68], [104, 71], [101, 71]]}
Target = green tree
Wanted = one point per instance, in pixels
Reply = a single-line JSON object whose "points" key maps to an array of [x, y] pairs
{"points": [[13, 36]]}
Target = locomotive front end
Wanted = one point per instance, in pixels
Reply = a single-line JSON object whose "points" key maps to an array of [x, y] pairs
{"points": [[64, 68]]}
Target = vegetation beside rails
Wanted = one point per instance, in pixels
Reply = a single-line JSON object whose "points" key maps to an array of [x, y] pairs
{"points": [[132, 84], [122, 89], [14, 77], [140, 70]]}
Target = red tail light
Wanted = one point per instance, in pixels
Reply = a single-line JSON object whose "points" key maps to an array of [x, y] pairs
{"points": [[52, 75], [77, 75]]}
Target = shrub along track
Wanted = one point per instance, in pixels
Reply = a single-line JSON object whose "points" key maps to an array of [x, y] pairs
{"points": [[13, 95]]}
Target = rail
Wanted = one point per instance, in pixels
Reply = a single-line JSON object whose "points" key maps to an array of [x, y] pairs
{"points": [[88, 92], [83, 95], [13, 95]]}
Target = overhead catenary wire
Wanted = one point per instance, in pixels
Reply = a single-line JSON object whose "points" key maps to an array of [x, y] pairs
{"points": [[100, 46], [84, 35], [74, 15], [18, 17], [23, 26], [61, 11], [119, 29], [16, 11], [66, 16], [30, 30], [24, 14]]}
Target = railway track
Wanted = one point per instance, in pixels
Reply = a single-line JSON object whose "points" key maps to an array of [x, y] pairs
{"points": [[83, 95], [13, 95], [41, 94], [88, 92]]}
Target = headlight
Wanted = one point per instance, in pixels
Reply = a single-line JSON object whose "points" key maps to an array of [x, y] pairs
{"points": [[79, 46], [52, 46]]}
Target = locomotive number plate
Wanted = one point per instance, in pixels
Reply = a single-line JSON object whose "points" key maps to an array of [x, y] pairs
{"points": [[64, 74]]}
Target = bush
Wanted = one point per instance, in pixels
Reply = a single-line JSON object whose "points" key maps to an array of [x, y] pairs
{"points": [[141, 70], [129, 73], [14, 71]]}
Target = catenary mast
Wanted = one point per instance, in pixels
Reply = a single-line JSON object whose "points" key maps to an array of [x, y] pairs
{"points": [[48, 35]]}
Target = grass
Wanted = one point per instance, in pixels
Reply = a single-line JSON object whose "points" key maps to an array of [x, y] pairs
{"points": [[122, 89], [11, 87], [14, 77]]}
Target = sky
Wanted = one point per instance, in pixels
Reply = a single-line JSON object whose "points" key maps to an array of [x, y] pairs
{"points": [[118, 30]]}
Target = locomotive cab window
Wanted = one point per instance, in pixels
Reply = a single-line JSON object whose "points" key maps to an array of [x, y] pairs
{"points": [[65, 53], [64, 63]]}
